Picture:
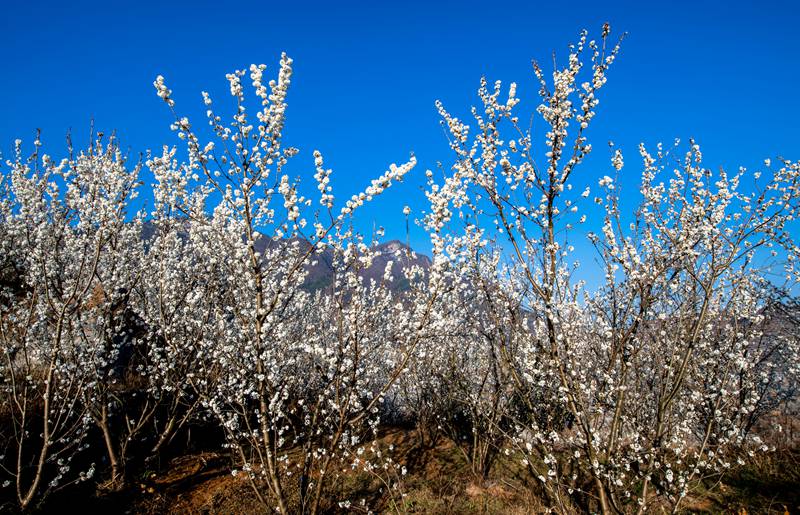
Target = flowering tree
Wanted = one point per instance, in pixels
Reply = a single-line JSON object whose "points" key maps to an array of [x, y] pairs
{"points": [[460, 387], [650, 368], [64, 220], [279, 366], [109, 334]]}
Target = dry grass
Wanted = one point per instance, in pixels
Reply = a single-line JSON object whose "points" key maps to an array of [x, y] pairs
{"points": [[439, 481]]}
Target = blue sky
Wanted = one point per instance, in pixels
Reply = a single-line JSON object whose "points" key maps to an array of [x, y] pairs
{"points": [[367, 75]]}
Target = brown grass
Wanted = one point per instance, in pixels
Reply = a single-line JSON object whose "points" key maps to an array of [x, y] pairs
{"points": [[439, 481]]}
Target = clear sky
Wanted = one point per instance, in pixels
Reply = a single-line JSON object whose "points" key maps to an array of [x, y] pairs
{"points": [[367, 74]]}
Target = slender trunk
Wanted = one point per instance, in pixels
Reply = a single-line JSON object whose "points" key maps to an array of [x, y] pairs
{"points": [[318, 489], [601, 496], [117, 470], [25, 501], [166, 435]]}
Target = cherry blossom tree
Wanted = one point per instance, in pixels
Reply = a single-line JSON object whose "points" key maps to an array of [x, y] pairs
{"points": [[64, 220], [650, 367], [280, 367]]}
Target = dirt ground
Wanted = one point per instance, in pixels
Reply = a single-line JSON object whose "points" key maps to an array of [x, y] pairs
{"points": [[439, 481]]}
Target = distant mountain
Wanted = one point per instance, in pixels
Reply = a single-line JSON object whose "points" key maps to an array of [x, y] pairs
{"points": [[320, 266]]}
